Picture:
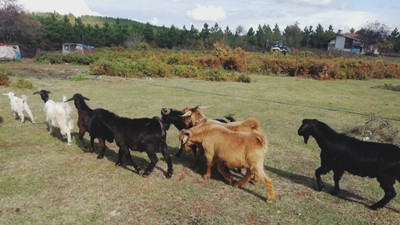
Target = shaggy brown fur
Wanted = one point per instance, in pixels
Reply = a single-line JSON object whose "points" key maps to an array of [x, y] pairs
{"points": [[231, 149]]}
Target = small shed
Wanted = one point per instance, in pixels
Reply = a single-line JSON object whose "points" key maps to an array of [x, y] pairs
{"points": [[351, 43], [68, 48], [9, 52]]}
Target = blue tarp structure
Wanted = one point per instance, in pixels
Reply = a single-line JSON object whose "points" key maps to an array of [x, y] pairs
{"points": [[68, 48]]}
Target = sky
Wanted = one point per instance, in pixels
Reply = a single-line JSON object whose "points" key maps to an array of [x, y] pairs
{"points": [[341, 14]]}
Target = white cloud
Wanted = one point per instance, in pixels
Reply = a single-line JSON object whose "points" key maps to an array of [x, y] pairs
{"points": [[153, 21], [207, 13], [76, 7], [343, 20], [311, 2]]}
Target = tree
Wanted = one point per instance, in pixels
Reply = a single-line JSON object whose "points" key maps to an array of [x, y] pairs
{"points": [[276, 33], [318, 39], [292, 35], [307, 34], [15, 26], [385, 47], [251, 38], [373, 33]]}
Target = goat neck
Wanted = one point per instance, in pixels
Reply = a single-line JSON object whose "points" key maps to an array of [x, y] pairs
{"points": [[43, 94]]}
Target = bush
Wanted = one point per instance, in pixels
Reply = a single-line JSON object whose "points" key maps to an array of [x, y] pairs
{"points": [[4, 79], [77, 77], [243, 78], [23, 84], [215, 75]]}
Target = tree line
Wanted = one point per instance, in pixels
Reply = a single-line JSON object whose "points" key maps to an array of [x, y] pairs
{"points": [[48, 31]]}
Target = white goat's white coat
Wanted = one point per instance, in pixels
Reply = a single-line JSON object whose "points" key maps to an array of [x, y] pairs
{"points": [[18, 106], [59, 114]]}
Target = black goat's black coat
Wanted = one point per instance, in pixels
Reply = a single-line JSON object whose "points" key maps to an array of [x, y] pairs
{"points": [[142, 134], [87, 122], [341, 153]]}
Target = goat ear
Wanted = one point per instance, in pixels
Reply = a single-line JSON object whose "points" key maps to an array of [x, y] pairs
{"points": [[185, 139], [37, 92], [186, 136], [70, 99], [86, 98], [188, 113]]}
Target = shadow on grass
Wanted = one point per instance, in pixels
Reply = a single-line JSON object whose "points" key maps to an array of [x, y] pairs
{"points": [[311, 183], [112, 155]]}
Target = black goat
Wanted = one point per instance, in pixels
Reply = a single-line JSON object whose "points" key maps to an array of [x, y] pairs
{"points": [[341, 153], [87, 122], [143, 134]]}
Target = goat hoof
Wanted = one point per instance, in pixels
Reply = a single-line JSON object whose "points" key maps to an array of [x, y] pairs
{"points": [[373, 207], [145, 174], [334, 193], [100, 156], [168, 175], [118, 164]]}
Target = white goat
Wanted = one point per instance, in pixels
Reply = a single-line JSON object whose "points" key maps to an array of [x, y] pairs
{"points": [[18, 106], [58, 114]]}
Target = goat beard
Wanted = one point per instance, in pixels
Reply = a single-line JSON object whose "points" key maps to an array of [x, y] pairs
{"points": [[306, 138]]}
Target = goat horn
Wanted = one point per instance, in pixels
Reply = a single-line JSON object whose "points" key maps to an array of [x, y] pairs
{"points": [[166, 111], [204, 107]]}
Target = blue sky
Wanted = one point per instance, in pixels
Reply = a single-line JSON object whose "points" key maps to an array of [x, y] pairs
{"points": [[341, 14]]}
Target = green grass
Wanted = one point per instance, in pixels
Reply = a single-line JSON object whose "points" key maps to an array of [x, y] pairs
{"points": [[44, 181]]}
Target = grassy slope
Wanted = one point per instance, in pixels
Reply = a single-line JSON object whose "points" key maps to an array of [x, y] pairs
{"points": [[44, 181]]}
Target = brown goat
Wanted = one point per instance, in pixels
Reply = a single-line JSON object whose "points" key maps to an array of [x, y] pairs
{"points": [[231, 149]]}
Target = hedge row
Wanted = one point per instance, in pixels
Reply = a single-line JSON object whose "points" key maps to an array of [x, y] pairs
{"points": [[224, 64]]}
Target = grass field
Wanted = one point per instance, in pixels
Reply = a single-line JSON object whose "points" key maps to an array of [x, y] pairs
{"points": [[44, 181]]}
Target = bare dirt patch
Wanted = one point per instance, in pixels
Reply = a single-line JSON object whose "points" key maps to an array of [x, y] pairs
{"points": [[27, 67]]}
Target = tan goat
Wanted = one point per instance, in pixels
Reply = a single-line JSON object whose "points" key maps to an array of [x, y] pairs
{"points": [[230, 149]]}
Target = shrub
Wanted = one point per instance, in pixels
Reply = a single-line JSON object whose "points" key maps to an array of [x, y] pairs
{"points": [[77, 77], [215, 75], [23, 84], [243, 78], [4, 79]]}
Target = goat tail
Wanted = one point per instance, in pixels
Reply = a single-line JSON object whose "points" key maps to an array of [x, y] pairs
{"points": [[252, 123]]}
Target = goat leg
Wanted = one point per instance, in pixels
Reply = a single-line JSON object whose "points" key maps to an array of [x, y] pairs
{"points": [[210, 163], [91, 148], [120, 154], [153, 161], [167, 158], [245, 179], [390, 193], [102, 143], [318, 172], [179, 152], [198, 155], [80, 136], [131, 162], [337, 174], [221, 168]]}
